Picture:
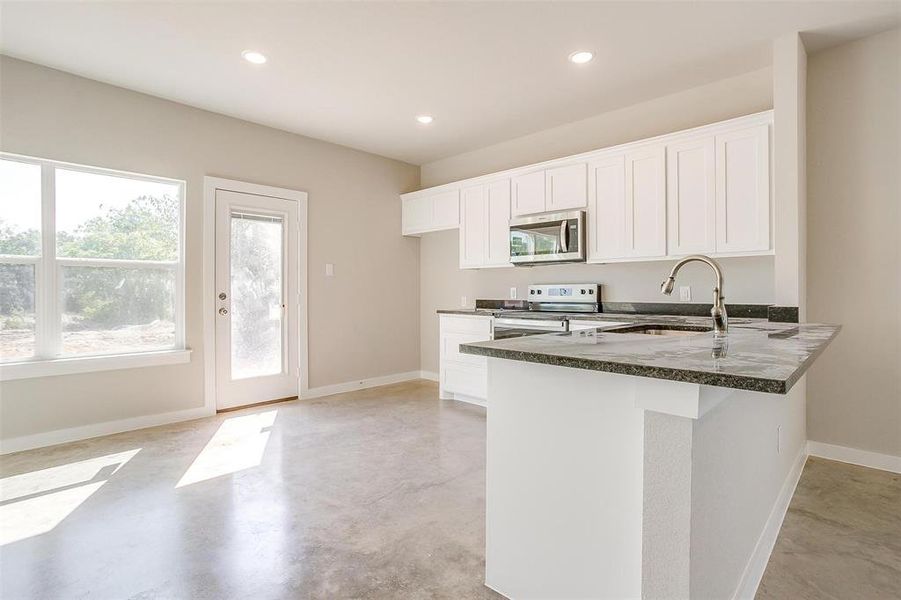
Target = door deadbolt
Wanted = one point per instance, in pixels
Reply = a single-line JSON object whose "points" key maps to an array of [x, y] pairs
{"points": [[222, 296]]}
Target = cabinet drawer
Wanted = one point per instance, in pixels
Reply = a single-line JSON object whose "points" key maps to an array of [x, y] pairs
{"points": [[465, 379], [450, 348], [471, 325]]}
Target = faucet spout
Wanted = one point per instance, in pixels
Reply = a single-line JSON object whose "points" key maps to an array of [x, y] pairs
{"points": [[718, 312]]}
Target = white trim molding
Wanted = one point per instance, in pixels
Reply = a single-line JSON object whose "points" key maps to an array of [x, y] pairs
{"points": [[359, 384], [90, 364], [863, 458], [75, 434], [760, 557], [428, 375]]}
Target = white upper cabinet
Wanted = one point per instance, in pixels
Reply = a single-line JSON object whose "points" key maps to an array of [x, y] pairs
{"points": [[416, 214], [498, 253], [743, 190], [646, 203], [473, 227], [607, 208], [446, 210], [691, 197], [484, 225], [423, 213], [627, 206], [702, 191], [566, 187], [528, 193]]}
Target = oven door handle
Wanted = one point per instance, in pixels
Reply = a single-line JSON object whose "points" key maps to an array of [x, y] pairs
{"points": [[564, 233]]}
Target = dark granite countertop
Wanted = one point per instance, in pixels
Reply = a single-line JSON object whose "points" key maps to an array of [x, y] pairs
{"points": [[756, 355]]}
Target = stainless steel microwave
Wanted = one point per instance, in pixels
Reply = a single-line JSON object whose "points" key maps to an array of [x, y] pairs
{"points": [[547, 238]]}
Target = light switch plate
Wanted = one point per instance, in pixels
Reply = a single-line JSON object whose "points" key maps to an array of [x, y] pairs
{"points": [[513, 293], [685, 293], [463, 301], [329, 270]]}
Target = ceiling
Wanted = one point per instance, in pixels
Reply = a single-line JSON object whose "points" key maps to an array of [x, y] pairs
{"points": [[358, 73]]}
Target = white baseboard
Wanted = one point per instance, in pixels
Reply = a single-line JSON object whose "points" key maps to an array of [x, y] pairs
{"points": [[864, 458], [750, 579], [361, 384], [428, 375], [75, 434]]}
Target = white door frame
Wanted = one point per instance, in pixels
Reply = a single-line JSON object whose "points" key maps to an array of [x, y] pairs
{"points": [[210, 185]]}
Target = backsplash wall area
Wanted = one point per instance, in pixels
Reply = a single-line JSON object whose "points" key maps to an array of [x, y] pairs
{"points": [[442, 283]]}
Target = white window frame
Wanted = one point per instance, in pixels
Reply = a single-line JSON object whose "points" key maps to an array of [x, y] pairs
{"points": [[47, 359]]}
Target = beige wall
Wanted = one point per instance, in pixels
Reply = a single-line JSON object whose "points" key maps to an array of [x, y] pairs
{"points": [[355, 329], [442, 283], [854, 223]]}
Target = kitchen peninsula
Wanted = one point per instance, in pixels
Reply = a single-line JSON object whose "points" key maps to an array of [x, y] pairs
{"points": [[626, 465]]}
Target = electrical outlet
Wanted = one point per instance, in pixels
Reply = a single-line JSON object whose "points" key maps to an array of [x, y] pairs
{"points": [[513, 293], [463, 301], [329, 270], [778, 439], [685, 293]]}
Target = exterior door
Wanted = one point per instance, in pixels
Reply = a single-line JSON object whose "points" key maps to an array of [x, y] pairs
{"points": [[257, 306]]}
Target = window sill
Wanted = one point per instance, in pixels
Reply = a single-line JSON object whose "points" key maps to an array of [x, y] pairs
{"points": [[89, 364]]}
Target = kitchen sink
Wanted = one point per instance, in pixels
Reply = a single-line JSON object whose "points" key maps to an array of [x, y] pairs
{"points": [[662, 329]]}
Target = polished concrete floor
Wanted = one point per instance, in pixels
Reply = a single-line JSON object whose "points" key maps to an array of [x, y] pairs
{"points": [[373, 494], [376, 494], [841, 537]]}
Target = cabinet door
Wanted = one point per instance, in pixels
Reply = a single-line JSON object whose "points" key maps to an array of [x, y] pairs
{"points": [[416, 214], [607, 208], [691, 197], [743, 190], [446, 210], [528, 193], [498, 213], [473, 227], [646, 203], [567, 187]]}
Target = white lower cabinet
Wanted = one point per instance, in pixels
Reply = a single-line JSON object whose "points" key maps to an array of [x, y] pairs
{"points": [[462, 376]]}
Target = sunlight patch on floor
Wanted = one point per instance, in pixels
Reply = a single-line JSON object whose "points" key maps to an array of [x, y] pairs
{"points": [[238, 444], [36, 502]]}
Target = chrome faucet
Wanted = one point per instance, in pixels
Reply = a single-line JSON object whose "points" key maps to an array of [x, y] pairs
{"points": [[718, 312]]}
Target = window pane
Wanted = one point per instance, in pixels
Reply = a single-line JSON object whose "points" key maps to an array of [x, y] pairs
{"points": [[16, 311], [20, 208], [102, 216], [107, 310], [256, 296]]}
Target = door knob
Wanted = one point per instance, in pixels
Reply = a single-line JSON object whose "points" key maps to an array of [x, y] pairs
{"points": [[223, 311]]}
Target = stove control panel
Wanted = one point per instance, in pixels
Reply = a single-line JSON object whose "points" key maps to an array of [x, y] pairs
{"points": [[566, 292]]}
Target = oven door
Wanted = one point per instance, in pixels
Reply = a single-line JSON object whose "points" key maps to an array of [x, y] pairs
{"points": [[505, 328], [548, 238]]}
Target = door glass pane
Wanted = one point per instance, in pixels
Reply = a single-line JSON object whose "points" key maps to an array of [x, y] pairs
{"points": [[16, 311], [104, 216], [111, 310], [256, 296], [20, 208]]}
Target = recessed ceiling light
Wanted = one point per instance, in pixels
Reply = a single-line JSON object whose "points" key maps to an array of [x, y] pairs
{"points": [[581, 57], [425, 119], [252, 56]]}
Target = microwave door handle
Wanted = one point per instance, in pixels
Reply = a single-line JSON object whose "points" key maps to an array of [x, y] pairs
{"points": [[564, 233]]}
